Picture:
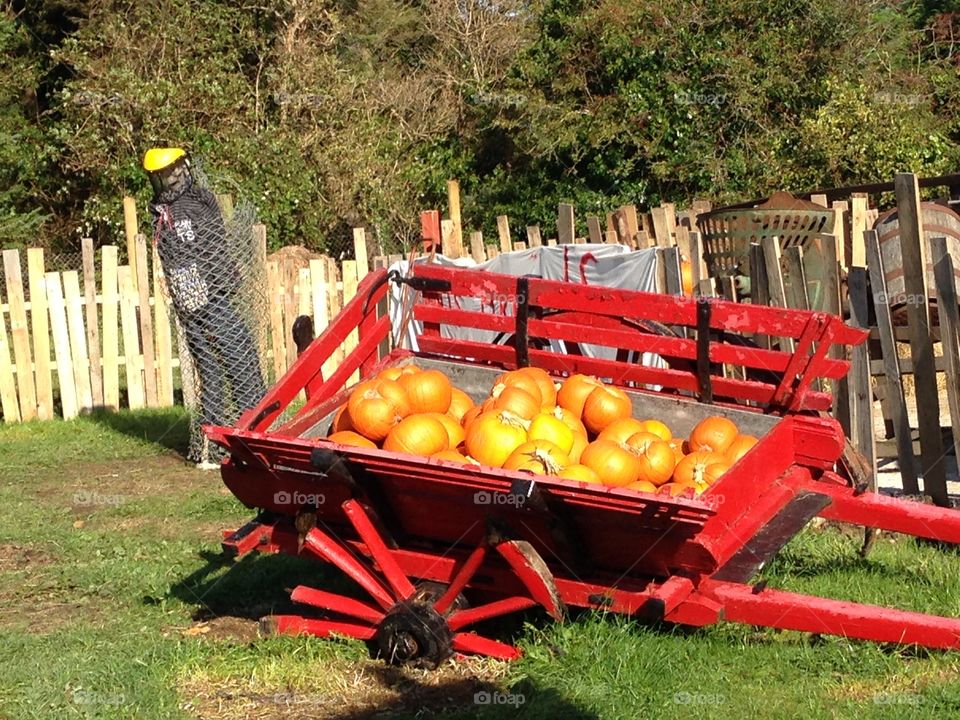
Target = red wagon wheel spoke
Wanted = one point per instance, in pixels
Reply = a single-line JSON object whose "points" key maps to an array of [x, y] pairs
{"points": [[337, 603], [460, 580], [494, 609], [477, 645], [381, 554], [534, 575], [294, 624], [332, 551]]}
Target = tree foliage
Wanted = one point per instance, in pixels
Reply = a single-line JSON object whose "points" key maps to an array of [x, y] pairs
{"points": [[332, 113]]}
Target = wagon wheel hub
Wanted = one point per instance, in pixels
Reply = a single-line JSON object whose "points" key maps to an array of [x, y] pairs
{"points": [[414, 633]]}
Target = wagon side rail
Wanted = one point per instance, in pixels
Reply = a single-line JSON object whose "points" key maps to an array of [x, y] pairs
{"points": [[306, 372], [537, 311]]}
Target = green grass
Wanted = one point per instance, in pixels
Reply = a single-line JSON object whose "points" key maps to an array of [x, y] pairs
{"points": [[109, 552]]}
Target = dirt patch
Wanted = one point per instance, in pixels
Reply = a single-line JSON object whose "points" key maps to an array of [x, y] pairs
{"points": [[18, 557], [240, 630], [349, 691]]}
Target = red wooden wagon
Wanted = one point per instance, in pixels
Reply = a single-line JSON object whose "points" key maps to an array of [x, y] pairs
{"points": [[440, 547]]}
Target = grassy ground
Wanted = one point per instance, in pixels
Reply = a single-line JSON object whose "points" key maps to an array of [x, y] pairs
{"points": [[114, 603]]}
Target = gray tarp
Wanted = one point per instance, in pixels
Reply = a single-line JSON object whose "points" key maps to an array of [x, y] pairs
{"points": [[607, 265]]}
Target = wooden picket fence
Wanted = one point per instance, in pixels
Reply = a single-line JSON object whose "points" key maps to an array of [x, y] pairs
{"points": [[105, 336]]}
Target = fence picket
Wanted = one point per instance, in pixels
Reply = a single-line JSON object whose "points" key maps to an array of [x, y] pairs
{"points": [[40, 329], [20, 335], [61, 345], [131, 341], [78, 340], [111, 330]]}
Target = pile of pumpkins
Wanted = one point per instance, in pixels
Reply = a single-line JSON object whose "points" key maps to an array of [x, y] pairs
{"points": [[580, 429]]}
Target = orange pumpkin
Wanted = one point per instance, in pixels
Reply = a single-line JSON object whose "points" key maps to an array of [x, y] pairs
{"points": [[616, 464], [714, 433], [460, 402], [603, 406], [642, 486], [547, 426], [739, 447], [621, 429], [455, 433], [581, 473], [569, 419], [395, 373], [453, 456], [540, 457], [493, 436], [394, 392], [372, 414], [470, 415], [574, 391], [518, 379], [700, 468], [657, 460], [657, 428], [516, 400], [348, 437], [341, 420], [548, 391], [417, 435], [580, 443], [428, 390]]}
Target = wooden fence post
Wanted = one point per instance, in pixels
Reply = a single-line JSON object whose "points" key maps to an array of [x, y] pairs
{"points": [[453, 200], [946, 288], [131, 342], [20, 335], [913, 252], [61, 346], [9, 401], [40, 330], [565, 224], [93, 325], [503, 230], [163, 345], [860, 392], [891, 365], [146, 323], [131, 229], [111, 322]]}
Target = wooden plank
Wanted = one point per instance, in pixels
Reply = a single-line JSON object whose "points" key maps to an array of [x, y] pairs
{"points": [[674, 280], [305, 306], [858, 225], [793, 259], [133, 363], [946, 289], [275, 303], [93, 324], [860, 393], [453, 202], [778, 294], [349, 270], [40, 332], [661, 270], [565, 224], [9, 402], [258, 278], [188, 373], [130, 229], [840, 211], [759, 286], [594, 231], [913, 253], [682, 236], [61, 345], [477, 251], [20, 335], [503, 230], [628, 225], [552, 242], [705, 288], [697, 208], [360, 252], [831, 304], [517, 246], [78, 340], [820, 200], [696, 257], [163, 343], [446, 238], [321, 305], [610, 237], [334, 297], [142, 287], [533, 236], [111, 326], [661, 227], [493, 251]]}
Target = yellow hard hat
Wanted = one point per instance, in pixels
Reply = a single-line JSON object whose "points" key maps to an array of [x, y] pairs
{"points": [[159, 158]]}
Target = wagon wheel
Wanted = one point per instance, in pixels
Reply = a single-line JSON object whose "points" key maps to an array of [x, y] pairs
{"points": [[420, 624]]}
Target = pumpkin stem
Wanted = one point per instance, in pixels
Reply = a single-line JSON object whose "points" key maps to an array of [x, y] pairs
{"points": [[514, 420]]}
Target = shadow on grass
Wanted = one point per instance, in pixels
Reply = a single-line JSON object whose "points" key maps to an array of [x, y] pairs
{"points": [[167, 427]]}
